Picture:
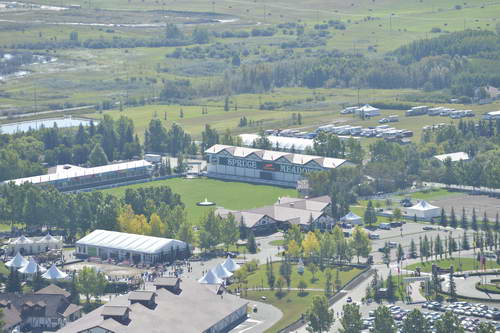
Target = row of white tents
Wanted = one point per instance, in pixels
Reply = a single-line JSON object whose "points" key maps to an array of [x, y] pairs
{"points": [[220, 272], [31, 267]]}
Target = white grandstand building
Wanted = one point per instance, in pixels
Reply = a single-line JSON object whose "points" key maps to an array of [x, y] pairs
{"points": [[264, 166]]}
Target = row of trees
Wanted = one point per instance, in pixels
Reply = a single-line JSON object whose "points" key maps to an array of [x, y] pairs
{"points": [[328, 247]]}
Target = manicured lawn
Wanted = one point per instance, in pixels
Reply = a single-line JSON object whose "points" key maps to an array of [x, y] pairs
{"points": [[492, 288], [277, 242], [3, 269], [467, 264], [259, 279], [291, 304], [231, 195], [432, 194]]}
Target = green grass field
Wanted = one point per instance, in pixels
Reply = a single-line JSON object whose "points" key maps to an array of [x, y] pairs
{"points": [[467, 264], [231, 195], [258, 278], [291, 304]]}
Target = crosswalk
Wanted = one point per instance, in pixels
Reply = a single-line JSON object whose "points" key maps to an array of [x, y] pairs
{"points": [[246, 325]]}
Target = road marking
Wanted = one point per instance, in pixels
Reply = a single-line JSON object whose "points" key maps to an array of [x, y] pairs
{"points": [[242, 327]]}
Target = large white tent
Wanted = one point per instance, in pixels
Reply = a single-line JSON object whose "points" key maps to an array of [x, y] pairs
{"points": [[230, 265], [352, 218], [210, 278], [17, 262], [48, 239], [423, 210], [125, 246], [54, 273], [31, 268], [221, 272], [368, 110]]}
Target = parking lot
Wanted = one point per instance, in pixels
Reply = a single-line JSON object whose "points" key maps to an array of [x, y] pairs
{"points": [[470, 314]]}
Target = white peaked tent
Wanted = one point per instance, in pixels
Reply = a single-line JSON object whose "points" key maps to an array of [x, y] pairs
{"points": [[22, 240], [210, 278], [48, 239], [54, 274], [31, 268], [424, 210], [230, 265], [368, 110], [17, 262], [352, 218], [221, 272]]}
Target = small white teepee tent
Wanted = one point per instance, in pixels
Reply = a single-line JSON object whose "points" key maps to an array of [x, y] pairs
{"points": [[17, 262], [352, 218], [230, 265], [210, 278], [221, 272], [54, 274], [31, 268]]}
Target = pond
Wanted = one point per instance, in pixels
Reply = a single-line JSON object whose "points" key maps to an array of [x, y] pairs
{"points": [[36, 124]]}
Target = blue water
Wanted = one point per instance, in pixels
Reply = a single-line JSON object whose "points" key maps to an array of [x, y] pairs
{"points": [[36, 124]]}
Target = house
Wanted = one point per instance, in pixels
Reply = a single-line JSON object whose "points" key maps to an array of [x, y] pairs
{"points": [[49, 308], [309, 214]]}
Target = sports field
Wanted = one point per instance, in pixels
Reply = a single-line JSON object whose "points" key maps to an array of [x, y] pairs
{"points": [[230, 195]]}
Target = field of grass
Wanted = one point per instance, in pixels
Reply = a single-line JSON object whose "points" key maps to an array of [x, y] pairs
{"points": [[231, 195], [290, 303], [433, 194], [466, 264], [258, 278]]}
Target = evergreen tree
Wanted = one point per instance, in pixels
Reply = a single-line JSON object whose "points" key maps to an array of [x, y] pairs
{"points": [[453, 286], [474, 225], [465, 242], [74, 294], [443, 221], [486, 222], [391, 288], [453, 219], [38, 282], [497, 223], [383, 323], [413, 249], [97, 156], [464, 224], [13, 284], [251, 243], [271, 278], [328, 282]]}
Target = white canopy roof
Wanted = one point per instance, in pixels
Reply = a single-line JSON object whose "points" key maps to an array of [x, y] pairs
{"points": [[54, 274], [22, 240], [351, 217], [31, 267], [17, 262], [210, 278], [230, 265], [48, 238], [367, 108], [423, 206], [221, 272], [130, 242]]}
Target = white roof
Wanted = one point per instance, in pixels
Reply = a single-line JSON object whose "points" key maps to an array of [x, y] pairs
{"points": [[283, 142], [130, 242], [54, 274], [71, 171], [16, 262], [494, 113], [367, 108], [22, 240], [271, 155], [48, 238], [221, 272], [230, 265], [351, 216], [455, 157], [423, 205], [210, 278], [31, 268]]}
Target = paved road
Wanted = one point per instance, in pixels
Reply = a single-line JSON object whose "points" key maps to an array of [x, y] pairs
{"points": [[33, 114], [467, 287]]}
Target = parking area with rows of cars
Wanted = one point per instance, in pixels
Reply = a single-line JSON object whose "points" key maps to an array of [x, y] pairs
{"points": [[470, 314]]}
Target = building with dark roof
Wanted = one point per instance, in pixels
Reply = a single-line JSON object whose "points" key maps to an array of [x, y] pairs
{"points": [[309, 214], [264, 166], [195, 308], [46, 309]]}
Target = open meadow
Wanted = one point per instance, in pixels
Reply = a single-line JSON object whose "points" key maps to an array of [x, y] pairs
{"points": [[230, 195]]}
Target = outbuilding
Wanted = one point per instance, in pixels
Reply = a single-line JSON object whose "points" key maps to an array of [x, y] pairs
{"points": [[130, 247]]}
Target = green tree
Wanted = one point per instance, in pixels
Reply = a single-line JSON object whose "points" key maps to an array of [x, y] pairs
{"points": [[173, 32], [370, 217], [361, 242], [271, 278], [314, 269], [97, 156], [485, 328], [280, 283], [453, 286], [397, 214], [415, 322], [302, 287], [448, 323], [74, 294], [319, 318], [453, 219], [13, 284], [351, 320], [200, 36], [413, 249], [286, 271], [391, 288], [229, 232], [464, 224], [328, 282], [443, 220], [90, 283], [383, 322], [251, 243], [474, 225]]}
